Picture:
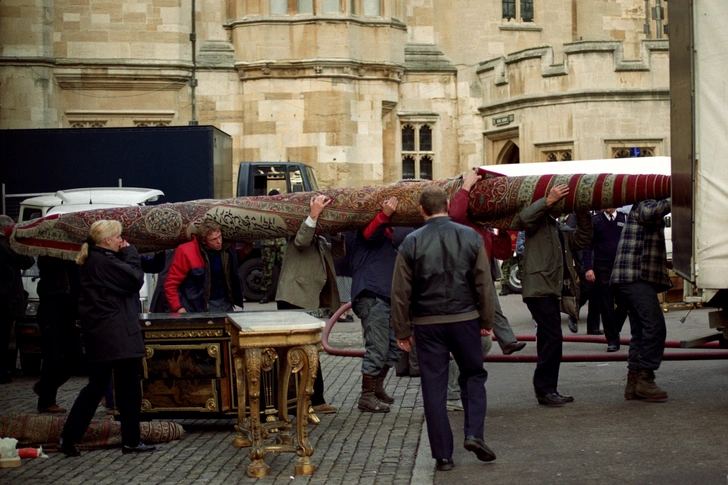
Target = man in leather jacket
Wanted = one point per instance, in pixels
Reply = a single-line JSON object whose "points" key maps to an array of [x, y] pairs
{"points": [[442, 284]]}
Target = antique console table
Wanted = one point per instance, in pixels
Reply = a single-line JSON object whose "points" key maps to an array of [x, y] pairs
{"points": [[259, 339]]}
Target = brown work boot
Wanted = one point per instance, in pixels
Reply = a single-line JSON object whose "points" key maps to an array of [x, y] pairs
{"points": [[647, 389], [629, 389], [379, 391], [368, 401]]}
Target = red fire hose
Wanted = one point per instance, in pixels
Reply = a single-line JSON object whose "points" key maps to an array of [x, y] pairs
{"points": [[687, 354]]}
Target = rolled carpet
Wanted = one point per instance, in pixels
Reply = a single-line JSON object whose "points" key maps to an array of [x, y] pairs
{"points": [[495, 201], [45, 430]]}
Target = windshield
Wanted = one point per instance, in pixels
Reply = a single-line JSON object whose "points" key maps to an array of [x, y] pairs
{"points": [[311, 172]]}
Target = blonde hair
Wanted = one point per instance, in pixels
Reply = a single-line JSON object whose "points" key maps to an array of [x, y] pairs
{"points": [[100, 230]]}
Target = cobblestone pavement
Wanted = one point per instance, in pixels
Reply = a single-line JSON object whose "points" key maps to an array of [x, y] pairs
{"points": [[351, 447], [599, 439]]}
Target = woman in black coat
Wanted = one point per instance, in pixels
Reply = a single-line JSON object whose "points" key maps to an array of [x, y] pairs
{"points": [[111, 277]]}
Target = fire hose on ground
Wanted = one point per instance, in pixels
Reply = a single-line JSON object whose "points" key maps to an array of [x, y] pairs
{"points": [[707, 351]]}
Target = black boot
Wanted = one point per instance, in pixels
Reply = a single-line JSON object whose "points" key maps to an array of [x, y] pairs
{"points": [[379, 391]]}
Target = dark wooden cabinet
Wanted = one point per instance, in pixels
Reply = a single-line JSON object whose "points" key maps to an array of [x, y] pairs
{"points": [[188, 371]]}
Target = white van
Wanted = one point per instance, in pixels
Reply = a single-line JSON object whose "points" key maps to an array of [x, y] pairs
{"points": [[27, 332]]}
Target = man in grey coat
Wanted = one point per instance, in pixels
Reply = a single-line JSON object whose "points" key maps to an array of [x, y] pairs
{"points": [[549, 284], [308, 279]]}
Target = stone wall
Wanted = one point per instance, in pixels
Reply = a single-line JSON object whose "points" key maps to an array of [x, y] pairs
{"points": [[335, 90]]}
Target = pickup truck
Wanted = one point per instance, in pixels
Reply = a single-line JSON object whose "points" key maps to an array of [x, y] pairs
{"points": [[256, 179]]}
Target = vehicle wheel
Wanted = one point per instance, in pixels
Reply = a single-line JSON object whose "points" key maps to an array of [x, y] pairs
{"points": [[251, 272], [514, 279]]}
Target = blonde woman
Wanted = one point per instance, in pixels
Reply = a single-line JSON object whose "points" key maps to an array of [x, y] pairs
{"points": [[111, 276]]}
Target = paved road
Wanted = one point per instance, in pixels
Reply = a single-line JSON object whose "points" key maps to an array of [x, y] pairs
{"points": [[598, 439]]}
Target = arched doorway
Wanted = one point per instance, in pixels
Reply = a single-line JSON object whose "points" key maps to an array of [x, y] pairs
{"points": [[509, 154]]}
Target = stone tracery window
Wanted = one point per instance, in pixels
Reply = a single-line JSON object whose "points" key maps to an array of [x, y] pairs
{"points": [[372, 8], [88, 124], [558, 155], [417, 151], [331, 6], [518, 10], [305, 6], [279, 7], [633, 152], [151, 123]]}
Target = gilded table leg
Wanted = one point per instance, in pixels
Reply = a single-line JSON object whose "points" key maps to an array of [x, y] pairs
{"points": [[258, 468], [304, 359], [284, 377], [242, 440]]}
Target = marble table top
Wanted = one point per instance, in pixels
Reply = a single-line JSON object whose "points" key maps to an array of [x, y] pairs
{"points": [[281, 321]]}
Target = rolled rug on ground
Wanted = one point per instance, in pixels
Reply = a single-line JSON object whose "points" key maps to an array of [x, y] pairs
{"points": [[495, 201], [45, 430]]}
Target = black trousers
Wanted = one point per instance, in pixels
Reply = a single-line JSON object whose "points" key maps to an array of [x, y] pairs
{"points": [[587, 293], [128, 400], [60, 345], [6, 327], [612, 319], [647, 322], [549, 343], [435, 343]]}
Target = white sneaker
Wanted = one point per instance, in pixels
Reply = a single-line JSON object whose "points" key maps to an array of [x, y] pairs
{"points": [[454, 405]]}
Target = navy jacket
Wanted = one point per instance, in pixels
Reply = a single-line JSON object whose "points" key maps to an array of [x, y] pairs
{"points": [[605, 238], [372, 260]]}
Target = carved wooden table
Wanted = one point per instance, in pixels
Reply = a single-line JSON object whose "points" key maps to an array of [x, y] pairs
{"points": [[258, 340]]}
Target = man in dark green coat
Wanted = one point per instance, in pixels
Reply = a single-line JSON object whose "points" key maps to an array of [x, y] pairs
{"points": [[549, 284]]}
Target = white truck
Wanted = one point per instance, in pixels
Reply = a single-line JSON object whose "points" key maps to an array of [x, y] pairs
{"points": [[699, 131]]}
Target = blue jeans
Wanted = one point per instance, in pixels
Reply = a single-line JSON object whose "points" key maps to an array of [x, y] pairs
{"points": [[380, 344], [647, 323]]}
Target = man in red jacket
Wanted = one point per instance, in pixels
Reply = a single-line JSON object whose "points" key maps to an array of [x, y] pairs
{"points": [[497, 247], [203, 276]]}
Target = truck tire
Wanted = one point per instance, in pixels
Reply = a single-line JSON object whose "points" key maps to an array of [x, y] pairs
{"points": [[251, 272], [514, 279]]}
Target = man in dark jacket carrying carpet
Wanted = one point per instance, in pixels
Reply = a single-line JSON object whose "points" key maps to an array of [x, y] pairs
{"points": [[442, 284], [372, 261], [12, 296], [549, 283]]}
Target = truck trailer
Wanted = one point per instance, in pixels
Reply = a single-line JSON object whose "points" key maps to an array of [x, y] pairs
{"points": [[184, 162], [699, 131]]}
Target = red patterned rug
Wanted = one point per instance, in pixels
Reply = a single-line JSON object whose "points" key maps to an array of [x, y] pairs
{"points": [[495, 200]]}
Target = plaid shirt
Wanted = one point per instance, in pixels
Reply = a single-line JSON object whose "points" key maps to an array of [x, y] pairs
{"points": [[641, 253]]}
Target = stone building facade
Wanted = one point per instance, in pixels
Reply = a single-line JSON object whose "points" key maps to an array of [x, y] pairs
{"points": [[366, 91]]}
